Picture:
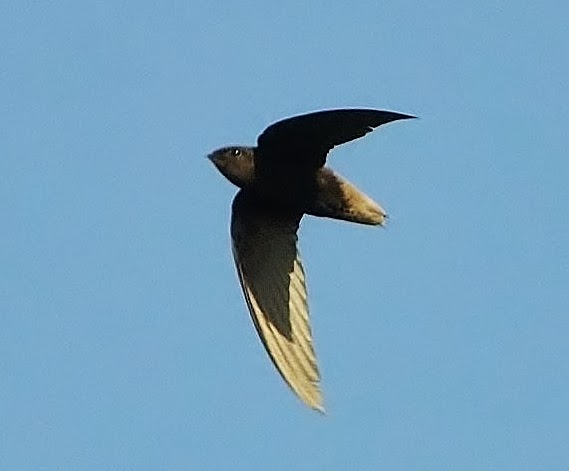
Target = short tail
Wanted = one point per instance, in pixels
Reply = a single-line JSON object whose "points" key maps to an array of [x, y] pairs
{"points": [[360, 208], [340, 199]]}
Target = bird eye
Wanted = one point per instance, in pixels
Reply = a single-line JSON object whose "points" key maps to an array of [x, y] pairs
{"points": [[236, 152]]}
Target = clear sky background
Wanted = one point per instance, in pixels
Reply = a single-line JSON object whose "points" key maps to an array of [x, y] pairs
{"points": [[125, 343]]}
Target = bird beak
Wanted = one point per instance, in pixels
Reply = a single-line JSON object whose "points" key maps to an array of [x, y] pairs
{"points": [[213, 158]]}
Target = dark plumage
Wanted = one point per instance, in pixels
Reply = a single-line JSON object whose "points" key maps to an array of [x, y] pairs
{"points": [[280, 180]]}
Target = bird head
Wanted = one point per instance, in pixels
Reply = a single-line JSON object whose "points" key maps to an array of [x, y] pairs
{"points": [[236, 164]]}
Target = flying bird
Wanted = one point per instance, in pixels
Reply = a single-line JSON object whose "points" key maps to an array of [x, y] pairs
{"points": [[281, 179]]}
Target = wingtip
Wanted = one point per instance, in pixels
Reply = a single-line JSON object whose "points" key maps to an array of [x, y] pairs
{"points": [[317, 406], [311, 397], [321, 410], [407, 116]]}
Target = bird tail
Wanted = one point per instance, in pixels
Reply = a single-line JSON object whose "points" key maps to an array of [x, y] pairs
{"points": [[340, 199], [360, 207]]}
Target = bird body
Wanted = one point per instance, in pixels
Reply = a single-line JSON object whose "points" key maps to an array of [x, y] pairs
{"points": [[320, 192], [280, 180]]}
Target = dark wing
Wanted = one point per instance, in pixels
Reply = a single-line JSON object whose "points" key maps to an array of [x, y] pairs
{"points": [[307, 139], [272, 277]]}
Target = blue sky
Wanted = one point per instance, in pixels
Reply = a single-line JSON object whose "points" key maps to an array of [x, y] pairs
{"points": [[124, 340]]}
